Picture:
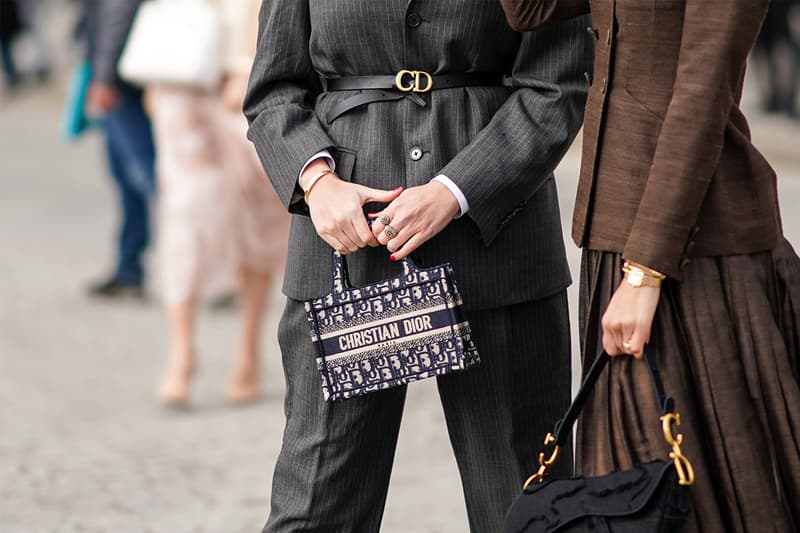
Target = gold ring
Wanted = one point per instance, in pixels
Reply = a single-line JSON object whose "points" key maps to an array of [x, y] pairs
{"points": [[390, 232], [627, 345], [384, 219]]}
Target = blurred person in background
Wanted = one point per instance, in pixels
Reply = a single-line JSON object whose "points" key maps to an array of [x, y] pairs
{"points": [[216, 205], [10, 27], [783, 71], [30, 14], [129, 142]]}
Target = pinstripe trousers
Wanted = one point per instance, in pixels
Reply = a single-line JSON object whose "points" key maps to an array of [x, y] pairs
{"points": [[333, 470]]}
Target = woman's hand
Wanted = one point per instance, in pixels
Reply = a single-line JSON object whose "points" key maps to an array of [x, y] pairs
{"points": [[628, 319], [415, 216], [337, 209], [101, 97]]}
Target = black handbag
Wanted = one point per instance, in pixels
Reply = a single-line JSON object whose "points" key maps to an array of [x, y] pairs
{"points": [[386, 334], [651, 497]]}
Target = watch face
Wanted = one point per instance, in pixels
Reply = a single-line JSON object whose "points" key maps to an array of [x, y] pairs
{"points": [[635, 278]]}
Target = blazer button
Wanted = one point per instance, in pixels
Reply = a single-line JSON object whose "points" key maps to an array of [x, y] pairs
{"points": [[689, 248], [605, 86], [588, 78], [684, 264], [413, 20], [415, 153], [694, 231]]}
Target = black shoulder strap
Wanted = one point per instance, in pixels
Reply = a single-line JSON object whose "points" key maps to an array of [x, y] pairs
{"points": [[564, 426]]}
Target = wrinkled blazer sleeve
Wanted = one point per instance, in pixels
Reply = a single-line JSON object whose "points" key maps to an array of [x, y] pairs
{"points": [[526, 15], [280, 98], [690, 143], [517, 151]]}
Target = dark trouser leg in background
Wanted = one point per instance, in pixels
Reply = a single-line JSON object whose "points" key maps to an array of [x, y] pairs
{"points": [[7, 63], [131, 158], [783, 73]]}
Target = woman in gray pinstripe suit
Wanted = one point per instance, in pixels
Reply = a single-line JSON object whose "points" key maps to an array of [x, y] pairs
{"points": [[446, 124]]}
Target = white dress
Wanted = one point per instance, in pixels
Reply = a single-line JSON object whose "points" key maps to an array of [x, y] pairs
{"points": [[218, 212]]}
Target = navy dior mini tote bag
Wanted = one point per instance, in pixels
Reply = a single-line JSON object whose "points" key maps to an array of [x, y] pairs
{"points": [[390, 333]]}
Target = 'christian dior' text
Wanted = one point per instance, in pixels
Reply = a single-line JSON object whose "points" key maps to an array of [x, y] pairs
{"points": [[384, 333]]}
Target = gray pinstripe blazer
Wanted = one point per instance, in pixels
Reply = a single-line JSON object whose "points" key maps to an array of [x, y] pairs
{"points": [[498, 144]]}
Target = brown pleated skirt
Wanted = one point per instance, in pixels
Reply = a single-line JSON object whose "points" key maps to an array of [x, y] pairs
{"points": [[733, 366]]}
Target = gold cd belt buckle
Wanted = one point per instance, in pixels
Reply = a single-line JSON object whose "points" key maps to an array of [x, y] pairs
{"points": [[414, 78]]}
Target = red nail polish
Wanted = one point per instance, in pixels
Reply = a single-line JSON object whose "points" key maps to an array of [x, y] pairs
{"points": [[392, 258]]}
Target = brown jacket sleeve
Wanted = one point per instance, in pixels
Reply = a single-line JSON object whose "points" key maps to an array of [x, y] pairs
{"points": [[717, 37], [524, 15]]}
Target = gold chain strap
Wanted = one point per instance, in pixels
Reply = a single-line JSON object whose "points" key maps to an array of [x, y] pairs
{"points": [[544, 464]]}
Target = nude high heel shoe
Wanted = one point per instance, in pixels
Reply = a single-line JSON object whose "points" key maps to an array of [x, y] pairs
{"points": [[175, 388]]}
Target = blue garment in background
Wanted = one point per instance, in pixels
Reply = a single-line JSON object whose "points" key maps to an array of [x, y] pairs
{"points": [[74, 120], [131, 156]]}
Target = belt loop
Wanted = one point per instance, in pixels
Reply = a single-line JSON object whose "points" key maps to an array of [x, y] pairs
{"points": [[416, 98]]}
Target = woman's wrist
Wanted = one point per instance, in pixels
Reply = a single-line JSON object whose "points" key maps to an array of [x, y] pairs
{"points": [[312, 182], [451, 204], [312, 169]]}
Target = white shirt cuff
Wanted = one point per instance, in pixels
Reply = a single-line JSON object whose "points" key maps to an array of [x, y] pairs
{"points": [[323, 153], [460, 198]]}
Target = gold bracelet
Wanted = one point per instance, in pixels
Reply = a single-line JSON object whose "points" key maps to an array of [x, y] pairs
{"points": [[314, 181], [646, 270], [636, 276]]}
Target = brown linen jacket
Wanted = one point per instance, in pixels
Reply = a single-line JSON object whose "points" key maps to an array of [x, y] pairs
{"points": [[669, 171]]}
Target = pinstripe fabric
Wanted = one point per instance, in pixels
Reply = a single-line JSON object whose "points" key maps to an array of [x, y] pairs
{"points": [[498, 145], [333, 470]]}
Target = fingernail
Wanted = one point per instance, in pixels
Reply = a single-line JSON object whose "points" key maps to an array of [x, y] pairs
{"points": [[392, 258], [397, 189], [372, 215]]}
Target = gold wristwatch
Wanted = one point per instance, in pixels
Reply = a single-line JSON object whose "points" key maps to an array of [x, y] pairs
{"points": [[637, 275]]}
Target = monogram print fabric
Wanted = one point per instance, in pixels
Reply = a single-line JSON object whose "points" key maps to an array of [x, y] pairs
{"points": [[389, 333]]}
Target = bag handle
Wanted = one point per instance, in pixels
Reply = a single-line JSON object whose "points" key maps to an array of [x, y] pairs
{"points": [[669, 420], [340, 273], [563, 427]]}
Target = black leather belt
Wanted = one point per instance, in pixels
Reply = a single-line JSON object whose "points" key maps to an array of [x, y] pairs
{"points": [[405, 84]]}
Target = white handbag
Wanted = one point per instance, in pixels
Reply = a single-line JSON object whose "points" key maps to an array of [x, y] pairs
{"points": [[174, 42]]}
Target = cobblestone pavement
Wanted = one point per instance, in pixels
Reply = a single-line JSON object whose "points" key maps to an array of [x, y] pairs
{"points": [[83, 445]]}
